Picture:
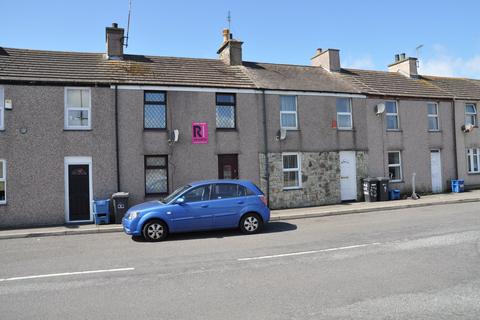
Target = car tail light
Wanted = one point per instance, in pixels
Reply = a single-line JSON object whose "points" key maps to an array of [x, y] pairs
{"points": [[264, 200]]}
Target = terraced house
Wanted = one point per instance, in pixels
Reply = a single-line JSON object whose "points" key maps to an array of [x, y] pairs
{"points": [[80, 126]]}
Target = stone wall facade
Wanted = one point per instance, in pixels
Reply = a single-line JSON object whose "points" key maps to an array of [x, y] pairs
{"points": [[320, 180], [362, 172]]}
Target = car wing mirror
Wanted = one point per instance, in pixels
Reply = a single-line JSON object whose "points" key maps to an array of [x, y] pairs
{"points": [[180, 200]]}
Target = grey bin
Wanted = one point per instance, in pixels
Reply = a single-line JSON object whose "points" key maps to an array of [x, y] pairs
{"points": [[383, 188], [120, 205], [370, 189]]}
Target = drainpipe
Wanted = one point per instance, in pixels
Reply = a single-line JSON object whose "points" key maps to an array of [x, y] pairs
{"points": [[116, 139], [265, 145], [455, 138]]}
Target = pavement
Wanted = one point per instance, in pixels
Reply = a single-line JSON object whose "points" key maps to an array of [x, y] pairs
{"points": [[276, 215], [416, 263]]}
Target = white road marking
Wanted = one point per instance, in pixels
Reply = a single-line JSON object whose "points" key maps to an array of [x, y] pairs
{"points": [[66, 274], [309, 252]]}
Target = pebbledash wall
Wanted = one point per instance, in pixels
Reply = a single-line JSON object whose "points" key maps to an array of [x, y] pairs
{"points": [[34, 144]]}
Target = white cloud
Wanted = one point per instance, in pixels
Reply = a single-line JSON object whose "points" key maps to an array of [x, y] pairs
{"points": [[441, 63]]}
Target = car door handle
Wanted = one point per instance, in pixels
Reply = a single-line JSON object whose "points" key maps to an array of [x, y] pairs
{"points": [[204, 206], [241, 202]]}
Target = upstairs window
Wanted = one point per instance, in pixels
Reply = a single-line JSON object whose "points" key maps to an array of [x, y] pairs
{"points": [[291, 171], [473, 159], [392, 115], [78, 109], [470, 114], [344, 113], [154, 110], [225, 111], [432, 116], [288, 112], [156, 175], [3, 181], [395, 166]]}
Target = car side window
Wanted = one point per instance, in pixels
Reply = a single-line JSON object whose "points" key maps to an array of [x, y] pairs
{"points": [[201, 193], [244, 191], [224, 191]]}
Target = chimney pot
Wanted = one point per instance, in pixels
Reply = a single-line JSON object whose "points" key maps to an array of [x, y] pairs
{"points": [[114, 25], [397, 57], [403, 56], [226, 35]]}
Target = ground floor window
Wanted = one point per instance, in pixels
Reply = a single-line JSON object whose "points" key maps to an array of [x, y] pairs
{"points": [[473, 160], [395, 166], [156, 175], [3, 181], [291, 170]]}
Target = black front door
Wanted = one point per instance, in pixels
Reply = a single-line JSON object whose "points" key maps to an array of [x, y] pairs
{"points": [[78, 192], [228, 166]]}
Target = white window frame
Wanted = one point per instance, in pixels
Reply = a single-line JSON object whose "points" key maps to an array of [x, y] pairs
{"points": [[298, 169], [471, 159], [4, 179], [393, 114], [2, 108], [433, 116], [350, 127], [289, 112], [396, 165], [471, 114], [89, 109]]}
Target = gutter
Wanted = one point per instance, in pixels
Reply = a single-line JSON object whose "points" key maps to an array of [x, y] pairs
{"points": [[265, 145], [117, 151]]}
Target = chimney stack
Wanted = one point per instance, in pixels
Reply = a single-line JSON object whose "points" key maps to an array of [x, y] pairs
{"points": [[114, 37], [230, 51], [404, 65], [328, 59]]}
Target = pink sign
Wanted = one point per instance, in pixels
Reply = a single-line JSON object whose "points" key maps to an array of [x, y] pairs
{"points": [[199, 133]]}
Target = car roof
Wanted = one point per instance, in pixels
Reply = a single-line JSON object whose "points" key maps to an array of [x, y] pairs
{"points": [[201, 182]]}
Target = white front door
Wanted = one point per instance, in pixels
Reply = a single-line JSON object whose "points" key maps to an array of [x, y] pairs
{"points": [[436, 167], [348, 175]]}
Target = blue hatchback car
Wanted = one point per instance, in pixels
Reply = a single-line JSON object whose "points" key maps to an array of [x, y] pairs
{"points": [[201, 205]]}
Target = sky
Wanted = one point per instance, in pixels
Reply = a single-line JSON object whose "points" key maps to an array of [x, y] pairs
{"points": [[368, 32]]}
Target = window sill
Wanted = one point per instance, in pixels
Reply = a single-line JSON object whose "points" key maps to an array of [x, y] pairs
{"points": [[434, 131], [345, 129], [77, 129], [394, 130], [292, 188], [396, 181], [154, 129], [225, 129], [473, 173], [290, 129]]}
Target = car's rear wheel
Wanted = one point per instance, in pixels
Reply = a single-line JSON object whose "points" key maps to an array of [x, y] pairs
{"points": [[155, 230], [251, 223]]}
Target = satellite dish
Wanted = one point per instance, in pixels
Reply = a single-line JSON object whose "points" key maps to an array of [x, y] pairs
{"points": [[281, 134], [380, 109], [173, 136]]}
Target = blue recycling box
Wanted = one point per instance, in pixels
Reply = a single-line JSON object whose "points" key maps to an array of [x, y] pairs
{"points": [[458, 185], [101, 211], [394, 194]]}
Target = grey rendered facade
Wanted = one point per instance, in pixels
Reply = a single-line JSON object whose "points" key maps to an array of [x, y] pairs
{"points": [[37, 150]]}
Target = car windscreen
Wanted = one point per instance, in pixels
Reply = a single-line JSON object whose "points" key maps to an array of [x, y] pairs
{"points": [[175, 193]]}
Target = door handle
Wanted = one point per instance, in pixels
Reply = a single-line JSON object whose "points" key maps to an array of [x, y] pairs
{"points": [[240, 202], [204, 206]]}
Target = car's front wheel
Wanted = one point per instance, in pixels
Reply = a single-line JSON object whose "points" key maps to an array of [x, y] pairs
{"points": [[155, 230], [251, 223]]}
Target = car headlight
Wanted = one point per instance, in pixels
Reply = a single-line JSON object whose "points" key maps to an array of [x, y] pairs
{"points": [[132, 215]]}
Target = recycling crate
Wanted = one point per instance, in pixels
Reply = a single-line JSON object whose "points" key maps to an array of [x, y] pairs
{"points": [[394, 194], [458, 185], [101, 211]]}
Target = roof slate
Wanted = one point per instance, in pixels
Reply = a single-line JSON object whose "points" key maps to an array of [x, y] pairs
{"points": [[459, 88]]}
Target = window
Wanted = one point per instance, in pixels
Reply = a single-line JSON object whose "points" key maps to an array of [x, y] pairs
{"points": [[344, 113], [432, 116], [156, 175], [78, 108], [473, 159], [291, 171], [225, 111], [2, 110], [470, 114], [201, 193], [288, 112], [224, 191], [3, 181], [395, 166], [392, 115], [154, 110]]}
